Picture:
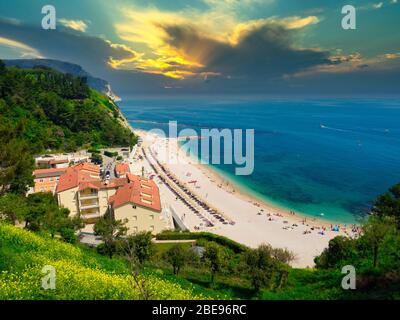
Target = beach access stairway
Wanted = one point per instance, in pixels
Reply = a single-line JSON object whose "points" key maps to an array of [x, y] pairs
{"points": [[178, 221]]}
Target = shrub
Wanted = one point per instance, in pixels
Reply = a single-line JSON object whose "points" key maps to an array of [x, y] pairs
{"points": [[223, 241]]}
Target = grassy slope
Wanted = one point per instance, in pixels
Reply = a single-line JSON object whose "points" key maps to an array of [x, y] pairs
{"points": [[84, 274], [304, 284], [81, 273]]}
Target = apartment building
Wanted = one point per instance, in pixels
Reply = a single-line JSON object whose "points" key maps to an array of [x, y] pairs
{"points": [[83, 193], [46, 180], [81, 190], [139, 202]]}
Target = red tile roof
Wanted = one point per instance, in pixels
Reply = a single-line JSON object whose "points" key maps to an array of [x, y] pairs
{"points": [[43, 173], [72, 178], [121, 168], [84, 176], [138, 191], [88, 185], [97, 184], [87, 166], [54, 161]]}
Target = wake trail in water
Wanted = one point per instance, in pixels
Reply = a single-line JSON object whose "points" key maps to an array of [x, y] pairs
{"points": [[336, 129]]}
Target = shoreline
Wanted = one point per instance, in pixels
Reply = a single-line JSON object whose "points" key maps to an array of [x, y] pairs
{"points": [[235, 188], [239, 191]]}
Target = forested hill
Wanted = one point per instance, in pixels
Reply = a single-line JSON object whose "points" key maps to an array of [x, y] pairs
{"points": [[44, 110], [64, 67], [58, 111]]}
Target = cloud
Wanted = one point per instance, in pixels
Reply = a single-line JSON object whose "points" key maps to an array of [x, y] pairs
{"points": [[371, 6], [392, 55], [91, 52], [262, 51], [95, 55], [298, 22], [164, 36], [77, 25], [24, 50]]}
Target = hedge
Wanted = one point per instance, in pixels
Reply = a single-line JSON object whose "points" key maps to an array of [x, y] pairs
{"points": [[110, 154], [224, 241]]}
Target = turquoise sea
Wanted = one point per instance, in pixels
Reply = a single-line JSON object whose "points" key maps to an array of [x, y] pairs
{"points": [[314, 156]]}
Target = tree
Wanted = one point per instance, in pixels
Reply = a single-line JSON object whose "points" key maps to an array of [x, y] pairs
{"points": [[260, 266], [139, 244], [13, 208], [45, 215], [111, 231], [283, 255], [136, 249], [2, 67], [177, 257], [283, 258], [215, 257], [16, 161], [388, 204], [375, 231], [339, 249]]}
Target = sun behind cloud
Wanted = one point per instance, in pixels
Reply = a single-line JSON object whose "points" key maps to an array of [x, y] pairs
{"points": [[77, 25], [166, 35]]}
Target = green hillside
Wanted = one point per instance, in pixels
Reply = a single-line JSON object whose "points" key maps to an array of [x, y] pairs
{"points": [[80, 272], [42, 111], [59, 112]]}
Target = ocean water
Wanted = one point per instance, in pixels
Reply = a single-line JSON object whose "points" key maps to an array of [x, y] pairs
{"points": [[326, 158]]}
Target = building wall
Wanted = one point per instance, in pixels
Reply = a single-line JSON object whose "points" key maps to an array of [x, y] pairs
{"points": [[140, 219], [60, 165], [45, 184], [69, 199], [104, 195]]}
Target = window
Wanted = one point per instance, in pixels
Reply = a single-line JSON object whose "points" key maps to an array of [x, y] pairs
{"points": [[152, 217], [134, 218], [134, 206], [151, 228], [135, 229], [41, 180]]}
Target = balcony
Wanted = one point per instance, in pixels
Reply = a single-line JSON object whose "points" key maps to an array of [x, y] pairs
{"points": [[89, 204], [90, 213], [93, 215], [84, 195], [88, 197]]}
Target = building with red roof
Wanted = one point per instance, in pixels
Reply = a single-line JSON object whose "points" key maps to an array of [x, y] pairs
{"points": [[137, 199], [139, 202], [46, 180], [121, 169]]}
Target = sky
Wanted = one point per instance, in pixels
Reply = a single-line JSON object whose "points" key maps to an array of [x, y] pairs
{"points": [[215, 46]]}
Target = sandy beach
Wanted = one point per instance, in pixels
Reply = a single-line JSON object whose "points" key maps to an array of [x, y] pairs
{"points": [[246, 219]]}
